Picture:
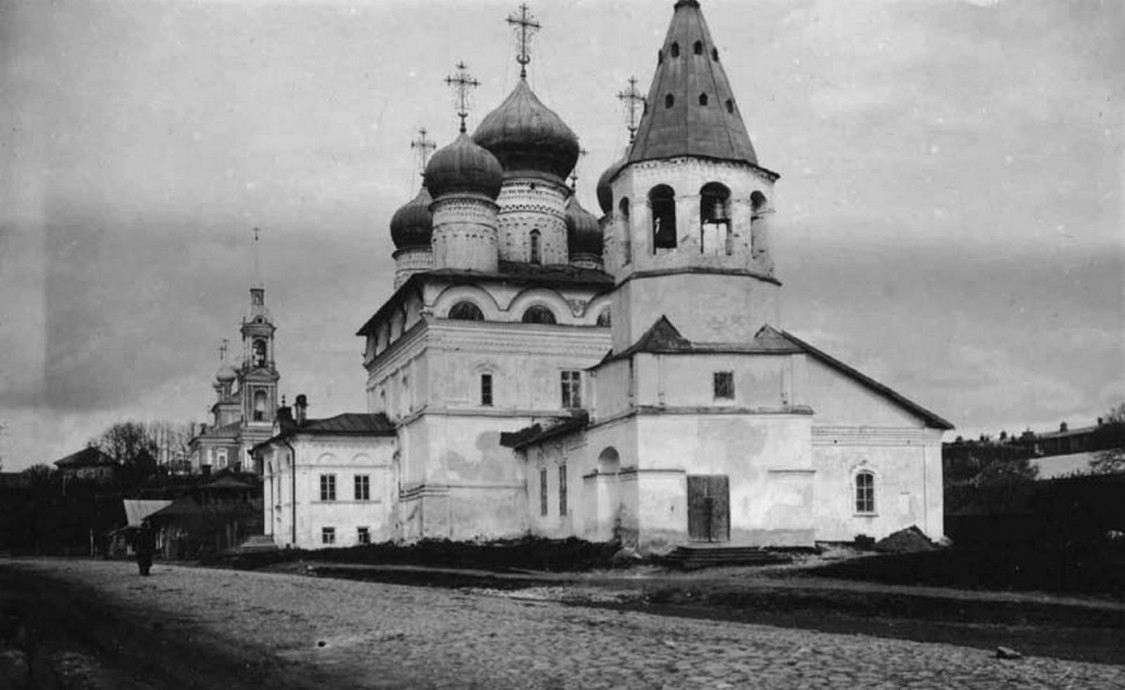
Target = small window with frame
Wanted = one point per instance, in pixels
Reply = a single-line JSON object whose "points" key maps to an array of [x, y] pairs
{"points": [[723, 385], [328, 536], [865, 493], [486, 390]]}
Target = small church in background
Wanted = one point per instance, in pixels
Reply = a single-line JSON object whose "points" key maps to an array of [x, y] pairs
{"points": [[246, 400], [542, 370]]}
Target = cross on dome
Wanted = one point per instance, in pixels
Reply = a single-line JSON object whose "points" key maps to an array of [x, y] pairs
{"points": [[461, 82], [632, 98], [525, 25], [424, 147]]}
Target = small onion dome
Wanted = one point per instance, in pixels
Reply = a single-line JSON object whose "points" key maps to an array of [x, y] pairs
{"points": [[226, 373], [604, 189], [583, 234], [413, 224], [463, 166], [528, 137]]}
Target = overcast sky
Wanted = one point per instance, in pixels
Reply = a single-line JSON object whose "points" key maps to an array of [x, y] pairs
{"points": [[950, 211]]}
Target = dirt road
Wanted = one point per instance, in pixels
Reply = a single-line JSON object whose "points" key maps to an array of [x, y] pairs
{"points": [[98, 625]]}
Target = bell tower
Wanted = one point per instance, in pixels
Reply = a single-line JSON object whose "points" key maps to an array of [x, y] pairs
{"points": [[257, 376], [690, 206]]}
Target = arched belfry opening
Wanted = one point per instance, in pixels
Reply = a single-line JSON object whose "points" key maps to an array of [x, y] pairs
{"points": [[662, 200], [626, 232], [714, 219]]}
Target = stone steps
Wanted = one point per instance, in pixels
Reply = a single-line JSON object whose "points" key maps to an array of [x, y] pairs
{"points": [[710, 556]]}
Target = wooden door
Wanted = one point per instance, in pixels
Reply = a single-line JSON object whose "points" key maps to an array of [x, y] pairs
{"points": [[708, 507]]}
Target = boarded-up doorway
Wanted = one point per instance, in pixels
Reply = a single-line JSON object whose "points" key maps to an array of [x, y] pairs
{"points": [[708, 507]]}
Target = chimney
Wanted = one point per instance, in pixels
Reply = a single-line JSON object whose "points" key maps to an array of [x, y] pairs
{"points": [[301, 407], [1062, 427], [1100, 421]]}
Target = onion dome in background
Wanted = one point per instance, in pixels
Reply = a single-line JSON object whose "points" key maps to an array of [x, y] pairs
{"points": [[465, 167], [528, 138], [226, 373], [604, 189], [583, 234], [413, 224]]}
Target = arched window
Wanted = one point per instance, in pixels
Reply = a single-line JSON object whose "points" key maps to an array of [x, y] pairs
{"points": [[466, 311], [669, 101], [730, 106], [259, 353], [865, 492], [698, 47], [675, 50], [538, 314], [757, 202], [714, 219], [702, 99], [260, 403], [536, 252], [605, 318], [715, 54], [627, 235], [221, 458], [609, 461], [662, 199], [659, 56]]}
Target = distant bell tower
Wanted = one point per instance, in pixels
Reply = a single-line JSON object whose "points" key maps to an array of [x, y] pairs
{"points": [[689, 207], [258, 377]]}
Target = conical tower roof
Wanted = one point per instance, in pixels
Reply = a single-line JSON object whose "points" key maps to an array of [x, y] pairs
{"points": [[690, 109]]}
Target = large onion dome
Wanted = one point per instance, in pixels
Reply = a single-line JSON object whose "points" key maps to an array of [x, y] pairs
{"points": [[465, 167], [413, 224], [583, 234], [605, 189], [528, 137]]}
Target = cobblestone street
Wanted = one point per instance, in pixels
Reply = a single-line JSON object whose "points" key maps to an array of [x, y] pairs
{"points": [[378, 635]]}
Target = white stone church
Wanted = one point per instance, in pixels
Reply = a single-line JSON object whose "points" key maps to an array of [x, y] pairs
{"points": [[539, 370]]}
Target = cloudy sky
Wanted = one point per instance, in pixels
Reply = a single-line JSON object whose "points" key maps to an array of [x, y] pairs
{"points": [[950, 213]]}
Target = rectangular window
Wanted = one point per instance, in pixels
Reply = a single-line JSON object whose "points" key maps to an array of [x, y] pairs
{"points": [[486, 390], [363, 535], [543, 492], [865, 492], [723, 382], [571, 389], [328, 487], [327, 535], [562, 489], [362, 487]]}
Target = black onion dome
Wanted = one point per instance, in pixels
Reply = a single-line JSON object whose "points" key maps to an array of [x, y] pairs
{"points": [[583, 234], [413, 224], [463, 166], [605, 188], [528, 137]]}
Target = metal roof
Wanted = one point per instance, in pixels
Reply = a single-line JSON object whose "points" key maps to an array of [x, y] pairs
{"points": [[690, 109]]}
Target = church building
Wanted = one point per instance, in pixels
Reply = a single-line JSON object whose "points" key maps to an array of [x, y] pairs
{"points": [[242, 415], [539, 370]]}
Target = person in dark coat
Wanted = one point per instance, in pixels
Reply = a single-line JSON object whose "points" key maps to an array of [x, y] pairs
{"points": [[146, 545]]}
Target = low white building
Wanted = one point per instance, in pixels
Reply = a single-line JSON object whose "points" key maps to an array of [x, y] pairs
{"points": [[329, 482]]}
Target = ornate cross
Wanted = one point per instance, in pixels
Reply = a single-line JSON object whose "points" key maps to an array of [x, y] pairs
{"points": [[256, 231], [223, 350], [461, 83], [525, 25], [632, 99], [424, 147]]}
